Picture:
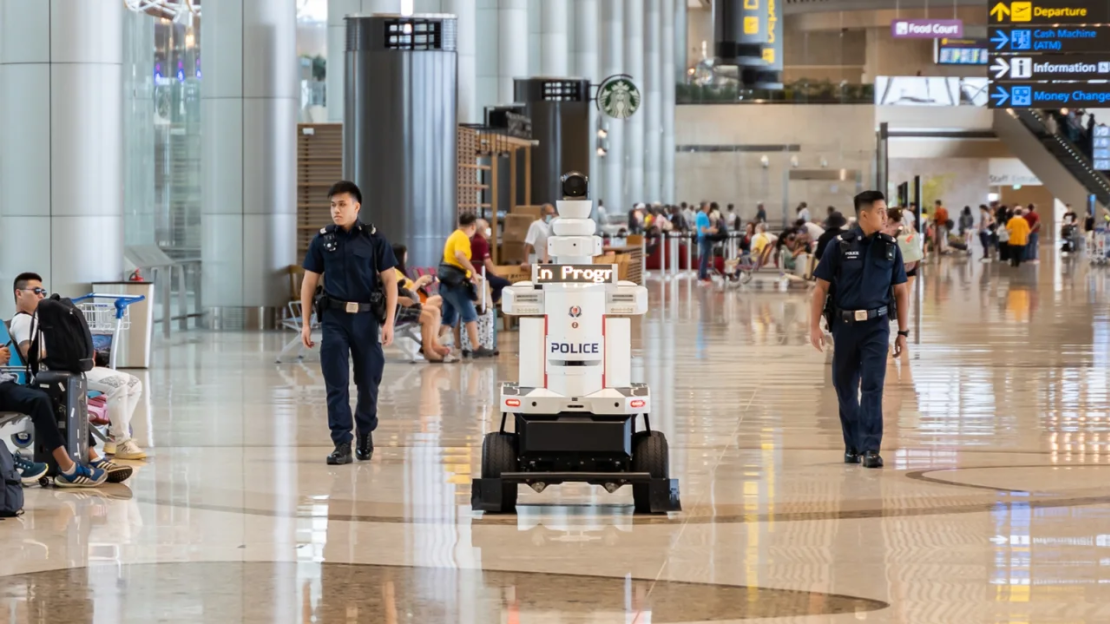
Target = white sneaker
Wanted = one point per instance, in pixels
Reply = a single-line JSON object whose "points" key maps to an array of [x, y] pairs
{"points": [[127, 449], [110, 446]]}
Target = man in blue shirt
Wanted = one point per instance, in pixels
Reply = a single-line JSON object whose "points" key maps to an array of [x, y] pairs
{"points": [[860, 276], [705, 244]]}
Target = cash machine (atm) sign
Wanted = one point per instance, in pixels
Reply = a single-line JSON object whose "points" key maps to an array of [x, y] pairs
{"points": [[1049, 12]]}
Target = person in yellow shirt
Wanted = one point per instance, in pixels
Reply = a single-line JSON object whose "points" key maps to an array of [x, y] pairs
{"points": [[1018, 228], [455, 271]]}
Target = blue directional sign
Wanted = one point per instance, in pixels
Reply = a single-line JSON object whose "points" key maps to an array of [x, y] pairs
{"points": [[1049, 95], [1006, 40]]}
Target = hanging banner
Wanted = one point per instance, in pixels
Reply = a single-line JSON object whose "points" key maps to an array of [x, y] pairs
{"points": [[740, 29]]}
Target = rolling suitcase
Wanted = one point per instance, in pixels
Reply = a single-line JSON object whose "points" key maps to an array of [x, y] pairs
{"points": [[68, 394], [487, 333]]}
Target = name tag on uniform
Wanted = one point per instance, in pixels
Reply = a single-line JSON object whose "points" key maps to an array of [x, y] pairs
{"points": [[861, 315], [352, 307]]}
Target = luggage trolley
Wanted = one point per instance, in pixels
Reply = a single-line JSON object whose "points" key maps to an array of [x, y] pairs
{"points": [[106, 319], [1100, 246]]}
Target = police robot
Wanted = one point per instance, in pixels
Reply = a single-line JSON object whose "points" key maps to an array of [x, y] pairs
{"points": [[575, 411]]}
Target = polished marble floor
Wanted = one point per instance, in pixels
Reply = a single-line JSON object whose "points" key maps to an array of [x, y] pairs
{"points": [[993, 506]]}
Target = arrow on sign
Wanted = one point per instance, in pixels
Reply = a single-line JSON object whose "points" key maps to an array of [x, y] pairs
{"points": [[1001, 95], [1000, 68], [1001, 38], [1001, 9]]}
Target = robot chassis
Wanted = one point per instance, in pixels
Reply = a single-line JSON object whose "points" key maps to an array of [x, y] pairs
{"points": [[575, 408]]}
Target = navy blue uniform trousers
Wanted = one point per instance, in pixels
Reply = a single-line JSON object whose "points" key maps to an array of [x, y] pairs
{"points": [[356, 335], [859, 369]]}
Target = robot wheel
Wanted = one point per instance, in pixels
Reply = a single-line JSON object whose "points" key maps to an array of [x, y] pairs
{"points": [[649, 454], [499, 454]]}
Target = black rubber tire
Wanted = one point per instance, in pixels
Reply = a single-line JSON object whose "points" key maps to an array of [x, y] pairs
{"points": [[498, 456], [650, 454]]}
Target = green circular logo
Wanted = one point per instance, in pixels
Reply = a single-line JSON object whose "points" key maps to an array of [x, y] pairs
{"points": [[619, 97]]}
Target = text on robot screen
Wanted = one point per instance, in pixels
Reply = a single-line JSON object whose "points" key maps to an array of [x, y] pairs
{"points": [[575, 273]]}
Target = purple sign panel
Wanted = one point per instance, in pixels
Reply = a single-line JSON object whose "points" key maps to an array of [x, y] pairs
{"points": [[926, 28]]}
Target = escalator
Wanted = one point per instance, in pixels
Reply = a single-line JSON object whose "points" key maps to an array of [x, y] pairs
{"points": [[1061, 166]]}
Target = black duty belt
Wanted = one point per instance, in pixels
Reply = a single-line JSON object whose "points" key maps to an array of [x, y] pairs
{"points": [[350, 307], [856, 316]]}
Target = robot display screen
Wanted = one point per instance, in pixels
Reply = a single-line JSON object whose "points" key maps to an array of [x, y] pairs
{"points": [[575, 274]]}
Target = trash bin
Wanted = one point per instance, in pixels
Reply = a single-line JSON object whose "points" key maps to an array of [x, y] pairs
{"points": [[133, 349]]}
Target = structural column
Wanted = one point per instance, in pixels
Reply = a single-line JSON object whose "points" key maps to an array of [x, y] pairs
{"points": [[512, 57], [670, 54], [587, 65], [248, 172], [466, 17], [634, 65], [612, 23], [554, 48], [61, 142], [337, 44], [653, 102]]}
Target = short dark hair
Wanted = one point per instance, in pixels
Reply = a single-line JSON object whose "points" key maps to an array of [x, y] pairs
{"points": [[866, 199], [344, 186], [22, 279], [467, 219]]}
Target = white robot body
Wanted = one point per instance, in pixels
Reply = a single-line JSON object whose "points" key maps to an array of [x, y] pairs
{"points": [[575, 342]]}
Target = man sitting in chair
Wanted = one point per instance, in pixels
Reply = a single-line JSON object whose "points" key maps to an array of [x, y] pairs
{"points": [[36, 404], [121, 390]]}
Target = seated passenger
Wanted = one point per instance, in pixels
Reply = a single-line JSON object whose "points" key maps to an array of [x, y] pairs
{"points": [[763, 245], [409, 307], [36, 404], [121, 390]]}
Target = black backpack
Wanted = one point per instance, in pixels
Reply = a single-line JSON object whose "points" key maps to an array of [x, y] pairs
{"points": [[69, 343], [11, 486]]}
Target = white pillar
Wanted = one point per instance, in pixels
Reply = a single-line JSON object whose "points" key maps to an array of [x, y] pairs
{"points": [[670, 54], [653, 102], [681, 49], [248, 168], [61, 142], [555, 50], [612, 15], [512, 57], [487, 72], [337, 44], [466, 12], [587, 64], [634, 126]]}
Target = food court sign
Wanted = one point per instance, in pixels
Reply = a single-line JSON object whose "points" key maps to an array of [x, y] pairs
{"points": [[927, 28]]}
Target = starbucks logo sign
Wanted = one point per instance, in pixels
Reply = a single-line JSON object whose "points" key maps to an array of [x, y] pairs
{"points": [[618, 97]]}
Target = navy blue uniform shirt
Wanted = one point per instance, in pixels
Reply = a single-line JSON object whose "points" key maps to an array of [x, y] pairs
{"points": [[351, 269], [864, 274]]}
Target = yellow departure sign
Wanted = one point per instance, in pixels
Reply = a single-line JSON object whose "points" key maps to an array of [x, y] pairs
{"points": [[1048, 12]]}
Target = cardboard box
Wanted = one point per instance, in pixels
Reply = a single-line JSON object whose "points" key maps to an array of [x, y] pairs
{"points": [[516, 228], [513, 272], [511, 253], [531, 211]]}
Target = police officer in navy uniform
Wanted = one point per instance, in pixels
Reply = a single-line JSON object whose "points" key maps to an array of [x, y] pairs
{"points": [[357, 262], [859, 279]]}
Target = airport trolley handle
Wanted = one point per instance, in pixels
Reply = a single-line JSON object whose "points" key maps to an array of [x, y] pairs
{"points": [[120, 302]]}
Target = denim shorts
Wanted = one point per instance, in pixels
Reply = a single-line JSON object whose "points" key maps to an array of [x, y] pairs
{"points": [[456, 303]]}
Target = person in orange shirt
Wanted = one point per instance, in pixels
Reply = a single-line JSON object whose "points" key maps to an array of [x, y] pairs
{"points": [[940, 216], [1019, 229]]}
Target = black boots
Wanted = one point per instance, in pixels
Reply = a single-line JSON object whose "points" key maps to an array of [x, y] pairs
{"points": [[364, 450], [851, 457], [341, 454]]}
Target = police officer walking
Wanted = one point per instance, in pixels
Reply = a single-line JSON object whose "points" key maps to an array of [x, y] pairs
{"points": [[859, 279], [359, 299]]}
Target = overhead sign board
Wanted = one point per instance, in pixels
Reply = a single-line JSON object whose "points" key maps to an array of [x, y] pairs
{"points": [[1049, 95], [1049, 39], [1034, 12], [1051, 67], [926, 28], [960, 52]]}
